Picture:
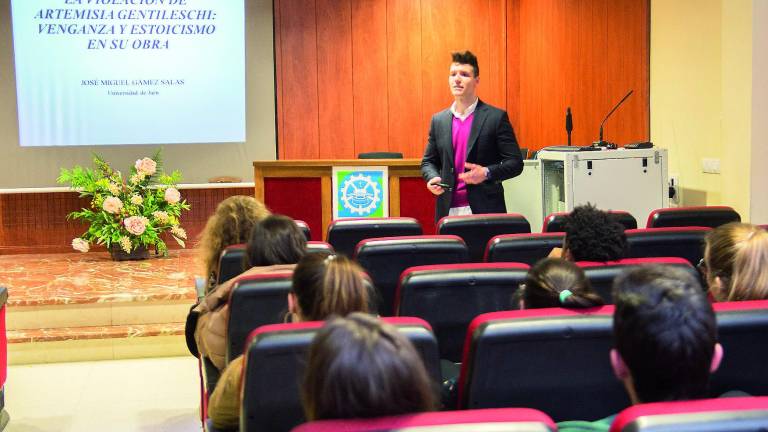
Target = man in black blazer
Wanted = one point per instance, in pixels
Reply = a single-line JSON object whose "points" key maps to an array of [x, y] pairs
{"points": [[471, 148]]}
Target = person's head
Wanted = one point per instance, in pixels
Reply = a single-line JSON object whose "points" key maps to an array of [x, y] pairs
{"points": [[736, 262], [555, 282], [325, 285], [359, 367], [593, 235], [230, 224], [464, 75], [665, 335], [275, 240]]}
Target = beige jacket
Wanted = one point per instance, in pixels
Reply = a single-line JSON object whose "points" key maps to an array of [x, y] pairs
{"points": [[211, 330]]}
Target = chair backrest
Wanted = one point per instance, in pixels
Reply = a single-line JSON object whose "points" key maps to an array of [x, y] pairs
{"points": [[450, 296], [523, 248], [380, 155], [345, 234], [555, 360], [683, 242], [740, 414], [255, 301], [602, 274], [319, 246], [487, 420], [231, 262], [385, 259], [304, 227], [743, 333], [555, 222], [477, 230], [275, 361], [704, 216]]}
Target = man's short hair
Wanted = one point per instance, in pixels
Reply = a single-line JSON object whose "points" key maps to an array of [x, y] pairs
{"points": [[468, 58], [664, 328], [594, 235]]}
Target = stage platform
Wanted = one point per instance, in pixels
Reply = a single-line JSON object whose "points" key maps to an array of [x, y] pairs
{"points": [[75, 306]]}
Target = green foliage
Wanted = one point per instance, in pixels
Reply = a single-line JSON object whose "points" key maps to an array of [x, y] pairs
{"points": [[142, 200]]}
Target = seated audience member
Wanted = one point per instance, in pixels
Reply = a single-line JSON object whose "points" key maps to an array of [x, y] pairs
{"points": [[665, 337], [735, 262], [276, 245], [592, 235], [323, 285], [360, 367], [230, 224], [555, 282]]}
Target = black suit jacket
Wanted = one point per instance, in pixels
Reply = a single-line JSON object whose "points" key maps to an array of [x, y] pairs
{"points": [[491, 143]]}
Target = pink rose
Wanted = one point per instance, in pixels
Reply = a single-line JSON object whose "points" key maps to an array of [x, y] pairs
{"points": [[146, 166], [81, 245], [172, 195], [136, 225], [112, 205]]}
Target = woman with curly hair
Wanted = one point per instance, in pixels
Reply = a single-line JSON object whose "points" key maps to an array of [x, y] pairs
{"points": [[735, 262], [230, 224], [592, 235]]}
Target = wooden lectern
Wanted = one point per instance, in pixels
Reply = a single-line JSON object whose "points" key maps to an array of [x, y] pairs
{"points": [[302, 189]]}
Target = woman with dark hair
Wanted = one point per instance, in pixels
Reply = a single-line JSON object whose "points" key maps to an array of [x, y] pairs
{"points": [[735, 262], [360, 367], [555, 282], [323, 285], [276, 244], [592, 235]]}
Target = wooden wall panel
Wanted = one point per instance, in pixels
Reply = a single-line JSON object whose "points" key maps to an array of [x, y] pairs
{"points": [[369, 75], [299, 92], [379, 70], [334, 72]]}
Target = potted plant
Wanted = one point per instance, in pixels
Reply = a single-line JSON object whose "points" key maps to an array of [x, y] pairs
{"points": [[127, 215]]}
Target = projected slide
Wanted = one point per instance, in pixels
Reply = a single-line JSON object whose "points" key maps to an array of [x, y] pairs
{"points": [[93, 72]]}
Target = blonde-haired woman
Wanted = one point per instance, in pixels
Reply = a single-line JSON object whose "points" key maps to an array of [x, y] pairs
{"points": [[735, 262], [230, 224]]}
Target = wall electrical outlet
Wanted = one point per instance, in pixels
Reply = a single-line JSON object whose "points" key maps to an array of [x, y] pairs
{"points": [[675, 191], [710, 166]]}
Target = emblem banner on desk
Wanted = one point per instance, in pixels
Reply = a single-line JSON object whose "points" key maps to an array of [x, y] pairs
{"points": [[360, 192]]}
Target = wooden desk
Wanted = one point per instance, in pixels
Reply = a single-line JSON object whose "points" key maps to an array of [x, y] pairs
{"points": [[321, 169]]}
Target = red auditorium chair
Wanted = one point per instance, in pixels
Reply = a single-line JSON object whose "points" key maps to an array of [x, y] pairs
{"points": [[704, 216], [231, 262], [449, 296], [602, 274], [275, 359], [743, 333], [3, 357], [304, 227], [740, 414], [522, 248], [384, 259], [487, 420], [255, 301], [555, 222], [554, 360], [682, 242], [477, 230], [345, 234]]}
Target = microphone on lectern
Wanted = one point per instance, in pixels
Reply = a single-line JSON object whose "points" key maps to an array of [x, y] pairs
{"points": [[600, 142]]}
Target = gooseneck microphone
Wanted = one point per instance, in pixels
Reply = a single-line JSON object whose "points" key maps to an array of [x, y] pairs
{"points": [[568, 123], [600, 142]]}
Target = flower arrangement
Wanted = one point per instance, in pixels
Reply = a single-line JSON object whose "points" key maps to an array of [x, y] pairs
{"points": [[127, 214]]}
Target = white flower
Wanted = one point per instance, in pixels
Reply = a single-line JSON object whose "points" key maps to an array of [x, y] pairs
{"points": [[172, 195], [81, 245], [135, 199], [114, 189], [160, 216], [112, 205], [136, 178], [146, 166], [125, 244], [179, 232]]}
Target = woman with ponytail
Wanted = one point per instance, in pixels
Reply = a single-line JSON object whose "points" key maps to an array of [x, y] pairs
{"points": [[735, 262], [555, 282], [323, 286]]}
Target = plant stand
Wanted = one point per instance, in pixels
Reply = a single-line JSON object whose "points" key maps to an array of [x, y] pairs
{"points": [[118, 254]]}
